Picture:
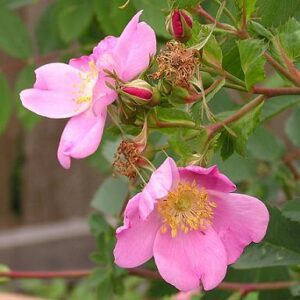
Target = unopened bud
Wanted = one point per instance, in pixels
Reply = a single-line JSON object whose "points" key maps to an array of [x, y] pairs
{"points": [[179, 24], [138, 90]]}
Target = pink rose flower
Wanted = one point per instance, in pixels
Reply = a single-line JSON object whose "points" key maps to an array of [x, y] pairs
{"points": [[78, 90], [192, 223]]}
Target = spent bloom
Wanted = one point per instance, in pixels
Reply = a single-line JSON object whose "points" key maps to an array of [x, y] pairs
{"points": [[79, 90], [191, 222]]}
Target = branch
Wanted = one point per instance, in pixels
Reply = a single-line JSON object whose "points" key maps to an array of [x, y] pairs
{"points": [[45, 274], [145, 273], [288, 161], [210, 18], [272, 92], [199, 96], [212, 129], [280, 68]]}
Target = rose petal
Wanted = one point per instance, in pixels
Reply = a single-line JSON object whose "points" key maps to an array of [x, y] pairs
{"points": [[238, 220], [57, 77], [134, 48], [188, 259], [82, 63], [81, 137], [55, 92], [135, 239], [163, 180], [209, 178]]}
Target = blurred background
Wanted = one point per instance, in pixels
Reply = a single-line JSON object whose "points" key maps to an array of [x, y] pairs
{"points": [[44, 208]]}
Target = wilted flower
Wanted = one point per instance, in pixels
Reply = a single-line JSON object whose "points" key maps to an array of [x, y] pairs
{"points": [[193, 224], [79, 89]]}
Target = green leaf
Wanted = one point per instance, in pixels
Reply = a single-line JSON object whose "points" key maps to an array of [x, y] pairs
{"points": [[280, 247], [252, 61], [14, 38], [289, 35], [291, 210], [25, 80], [168, 115], [242, 128], [73, 18], [231, 58], [5, 103], [212, 52], [108, 12], [105, 288], [274, 12], [153, 14], [47, 32], [110, 196], [276, 105], [227, 144], [292, 127], [97, 224], [264, 145], [259, 30], [237, 168]]}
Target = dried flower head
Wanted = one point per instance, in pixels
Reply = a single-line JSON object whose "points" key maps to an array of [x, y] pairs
{"points": [[126, 159], [177, 64]]}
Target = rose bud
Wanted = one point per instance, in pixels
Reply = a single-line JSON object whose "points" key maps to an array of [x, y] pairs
{"points": [[179, 24], [138, 90]]}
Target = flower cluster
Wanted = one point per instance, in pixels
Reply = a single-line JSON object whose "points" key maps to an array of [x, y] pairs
{"points": [[80, 90], [188, 218]]}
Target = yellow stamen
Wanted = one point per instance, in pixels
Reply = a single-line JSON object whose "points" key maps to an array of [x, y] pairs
{"points": [[186, 208], [83, 90]]}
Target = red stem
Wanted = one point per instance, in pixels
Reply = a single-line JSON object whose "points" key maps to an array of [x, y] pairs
{"points": [[199, 96], [212, 129], [45, 274], [207, 16], [148, 274], [272, 92]]}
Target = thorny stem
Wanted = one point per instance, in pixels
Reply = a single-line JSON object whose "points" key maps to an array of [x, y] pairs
{"points": [[276, 65], [212, 129], [74, 274], [290, 65]]}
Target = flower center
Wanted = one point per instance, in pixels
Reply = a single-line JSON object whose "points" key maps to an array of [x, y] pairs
{"points": [[186, 208], [84, 89]]}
